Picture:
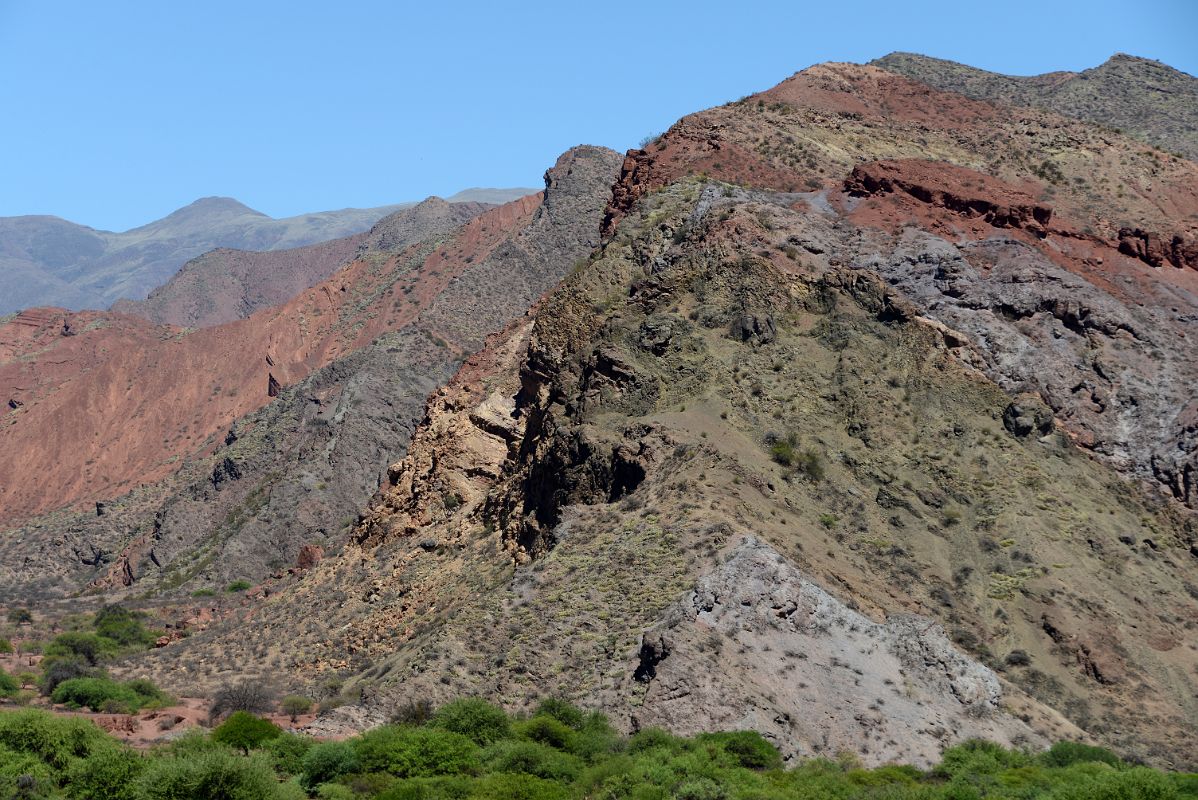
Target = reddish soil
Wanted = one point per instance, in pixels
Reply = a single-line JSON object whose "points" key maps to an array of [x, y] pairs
{"points": [[98, 403]]}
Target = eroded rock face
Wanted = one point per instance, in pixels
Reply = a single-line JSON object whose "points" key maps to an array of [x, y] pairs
{"points": [[758, 646]]}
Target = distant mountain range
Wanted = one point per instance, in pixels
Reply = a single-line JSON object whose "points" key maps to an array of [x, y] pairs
{"points": [[48, 261]]}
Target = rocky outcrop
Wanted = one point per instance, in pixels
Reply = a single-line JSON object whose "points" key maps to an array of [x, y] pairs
{"points": [[1156, 250], [756, 645], [958, 190]]}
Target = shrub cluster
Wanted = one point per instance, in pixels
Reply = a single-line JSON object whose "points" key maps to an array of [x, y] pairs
{"points": [[469, 750]]}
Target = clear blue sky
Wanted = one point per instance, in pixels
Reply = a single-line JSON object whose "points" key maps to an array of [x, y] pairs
{"points": [[117, 112]]}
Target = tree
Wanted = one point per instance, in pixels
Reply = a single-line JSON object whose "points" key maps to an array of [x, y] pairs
{"points": [[245, 731], [20, 616], [247, 695], [293, 705]]}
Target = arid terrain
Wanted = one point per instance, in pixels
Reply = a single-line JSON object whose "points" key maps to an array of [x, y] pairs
{"points": [[858, 412]]}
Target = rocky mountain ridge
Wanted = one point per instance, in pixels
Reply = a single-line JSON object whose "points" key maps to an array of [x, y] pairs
{"points": [[225, 285], [230, 466], [1143, 97], [851, 349], [48, 261]]}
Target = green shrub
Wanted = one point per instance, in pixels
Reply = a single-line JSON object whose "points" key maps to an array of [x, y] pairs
{"points": [[517, 787], [416, 752], [98, 694], [91, 648], [5, 646], [748, 748], [8, 685], [478, 719], [124, 627], [238, 586], [56, 741], [1064, 754], [328, 761], [547, 730], [214, 775], [245, 731], [531, 758], [149, 692], [450, 787], [293, 705], [287, 751], [561, 711], [109, 772], [58, 669]]}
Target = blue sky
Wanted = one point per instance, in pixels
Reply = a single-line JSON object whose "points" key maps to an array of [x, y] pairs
{"points": [[118, 112]]}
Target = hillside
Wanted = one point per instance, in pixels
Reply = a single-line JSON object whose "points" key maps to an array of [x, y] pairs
{"points": [[1139, 96], [47, 261], [868, 427], [175, 459], [224, 285]]}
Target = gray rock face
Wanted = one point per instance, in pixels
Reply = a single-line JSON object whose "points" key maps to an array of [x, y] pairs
{"points": [[758, 646], [1118, 372]]}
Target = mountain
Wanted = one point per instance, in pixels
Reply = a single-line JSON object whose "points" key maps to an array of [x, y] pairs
{"points": [[47, 261], [868, 426], [174, 460], [1142, 97], [224, 285]]}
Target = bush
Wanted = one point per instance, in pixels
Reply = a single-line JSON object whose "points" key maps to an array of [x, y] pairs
{"points": [[9, 685], [561, 711], [548, 731], [238, 586], [478, 719], [327, 761], [5, 646], [215, 775], [245, 731], [252, 696], [293, 705], [124, 627], [20, 616], [55, 741], [149, 692], [748, 748], [90, 648], [531, 758], [1064, 754], [416, 752], [110, 773], [517, 787], [98, 694], [58, 670], [286, 752]]}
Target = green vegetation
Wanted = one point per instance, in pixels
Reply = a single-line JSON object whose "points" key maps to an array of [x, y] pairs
{"points": [[104, 694], [245, 732], [78, 656], [237, 586], [293, 705], [559, 753]]}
